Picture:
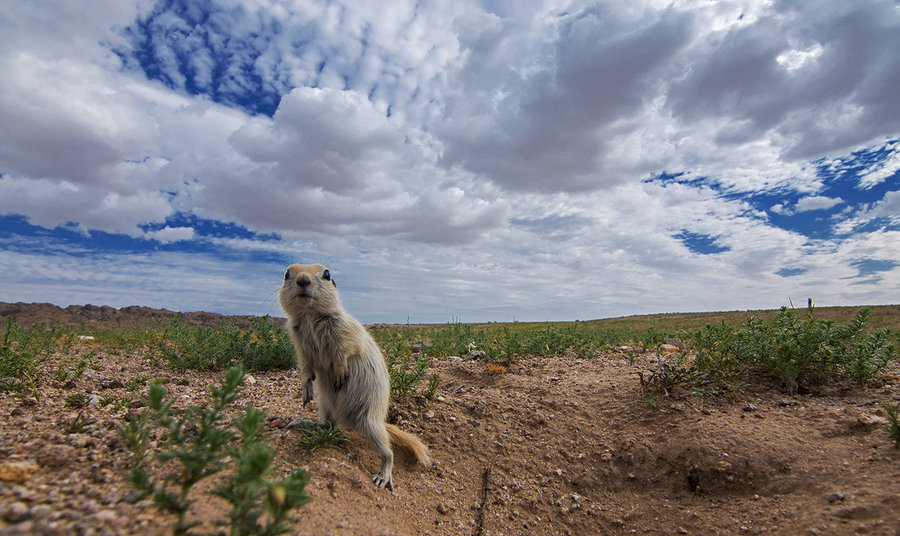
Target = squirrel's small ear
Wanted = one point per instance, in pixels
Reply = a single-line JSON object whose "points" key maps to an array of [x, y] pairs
{"points": [[287, 274]]}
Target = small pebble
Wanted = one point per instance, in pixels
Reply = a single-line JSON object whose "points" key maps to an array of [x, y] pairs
{"points": [[16, 512]]}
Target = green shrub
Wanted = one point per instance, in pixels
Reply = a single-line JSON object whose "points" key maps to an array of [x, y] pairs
{"points": [[197, 445], [22, 349], [670, 374], [795, 350], [861, 355], [262, 347], [406, 374]]}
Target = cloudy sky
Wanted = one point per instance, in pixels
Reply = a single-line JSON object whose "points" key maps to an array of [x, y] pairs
{"points": [[472, 160]]}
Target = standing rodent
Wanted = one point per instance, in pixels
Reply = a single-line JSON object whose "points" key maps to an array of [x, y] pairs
{"points": [[338, 356]]}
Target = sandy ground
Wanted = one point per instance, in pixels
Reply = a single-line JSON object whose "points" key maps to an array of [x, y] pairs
{"points": [[553, 445]]}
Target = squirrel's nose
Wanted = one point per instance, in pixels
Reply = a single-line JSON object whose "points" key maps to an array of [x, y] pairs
{"points": [[303, 281]]}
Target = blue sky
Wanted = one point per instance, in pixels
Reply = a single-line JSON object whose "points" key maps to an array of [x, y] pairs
{"points": [[492, 160]]}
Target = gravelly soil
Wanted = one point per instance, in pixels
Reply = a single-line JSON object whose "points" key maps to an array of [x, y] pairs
{"points": [[553, 445]]}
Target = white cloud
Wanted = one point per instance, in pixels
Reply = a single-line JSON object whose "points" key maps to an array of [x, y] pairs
{"points": [[168, 235], [797, 58], [817, 202], [888, 207], [884, 169], [454, 159], [780, 209]]}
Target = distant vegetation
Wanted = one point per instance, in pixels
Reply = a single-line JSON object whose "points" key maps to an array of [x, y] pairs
{"points": [[794, 347], [797, 350]]}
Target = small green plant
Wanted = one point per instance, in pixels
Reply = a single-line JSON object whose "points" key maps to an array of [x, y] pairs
{"points": [[70, 369], [116, 402], [22, 349], [326, 436], [433, 382], [79, 425], [249, 488], [406, 374], [859, 354], [66, 342], [510, 346], [197, 445], [631, 355], [77, 400], [652, 401], [677, 372], [129, 341], [136, 383], [893, 425]]}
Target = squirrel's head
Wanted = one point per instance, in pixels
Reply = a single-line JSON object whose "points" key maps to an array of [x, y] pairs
{"points": [[308, 288]]}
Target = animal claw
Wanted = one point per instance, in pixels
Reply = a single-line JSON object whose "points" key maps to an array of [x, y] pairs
{"points": [[308, 393], [381, 482]]}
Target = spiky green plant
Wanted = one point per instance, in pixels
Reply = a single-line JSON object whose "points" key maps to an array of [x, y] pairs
{"points": [[197, 445], [76, 400], [326, 436], [22, 349], [893, 425]]}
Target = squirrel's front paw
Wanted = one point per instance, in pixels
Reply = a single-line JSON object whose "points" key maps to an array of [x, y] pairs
{"points": [[308, 393], [381, 482], [339, 382]]}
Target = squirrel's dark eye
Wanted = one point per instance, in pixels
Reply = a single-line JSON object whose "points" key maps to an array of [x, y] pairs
{"points": [[287, 275], [326, 275]]}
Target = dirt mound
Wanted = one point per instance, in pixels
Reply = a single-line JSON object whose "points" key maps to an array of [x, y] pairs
{"points": [[103, 317]]}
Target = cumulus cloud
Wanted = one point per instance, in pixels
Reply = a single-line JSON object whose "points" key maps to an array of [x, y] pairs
{"points": [[888, 207], [426, 148], [832, 100], [552, 122], [817, 202], [168, 235], [329, 161], [325, 139]]}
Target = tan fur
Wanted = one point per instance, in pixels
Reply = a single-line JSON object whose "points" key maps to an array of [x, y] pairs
{"points": [[342, 364]]}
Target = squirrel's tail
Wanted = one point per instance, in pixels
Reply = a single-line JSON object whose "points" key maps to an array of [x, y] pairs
{"points": [[411, 442]]}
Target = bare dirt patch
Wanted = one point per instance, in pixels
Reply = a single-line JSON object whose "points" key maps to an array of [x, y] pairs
{"points": [[554, 445]]}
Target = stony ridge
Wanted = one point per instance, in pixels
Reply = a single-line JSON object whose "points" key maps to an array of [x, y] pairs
{"points": [[102, 317]]}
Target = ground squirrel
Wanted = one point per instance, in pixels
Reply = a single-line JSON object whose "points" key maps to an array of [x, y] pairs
{"points": [[343, 362]]}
